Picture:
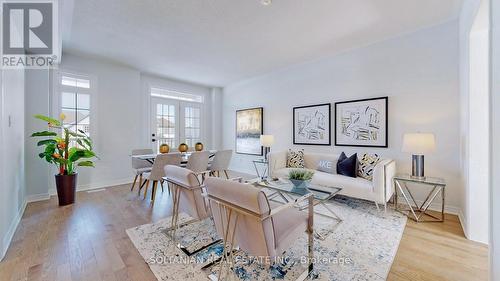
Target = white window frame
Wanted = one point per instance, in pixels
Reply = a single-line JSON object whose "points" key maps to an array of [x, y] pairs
{"points": [[56, 97], [179, 98]]}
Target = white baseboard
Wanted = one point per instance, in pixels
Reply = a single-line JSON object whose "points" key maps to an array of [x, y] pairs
{"points": [[12, 230], [464, 224], [37, 197], [97, 185]]}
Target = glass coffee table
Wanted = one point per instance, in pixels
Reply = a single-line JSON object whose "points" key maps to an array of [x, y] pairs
{"points": [[284, 189]]}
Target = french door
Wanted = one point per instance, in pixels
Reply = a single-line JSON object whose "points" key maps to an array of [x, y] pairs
{"points": [[174, 122]]}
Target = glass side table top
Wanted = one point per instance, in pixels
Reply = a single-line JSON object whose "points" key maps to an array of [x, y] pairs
{"points": [[426, 180], [319, 192], [260, 161]]}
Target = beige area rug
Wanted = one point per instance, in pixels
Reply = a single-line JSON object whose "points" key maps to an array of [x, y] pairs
{"points": [[362, 247]]}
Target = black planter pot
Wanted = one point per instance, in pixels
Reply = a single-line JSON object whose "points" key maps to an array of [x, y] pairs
{"points": [[66, 189]]}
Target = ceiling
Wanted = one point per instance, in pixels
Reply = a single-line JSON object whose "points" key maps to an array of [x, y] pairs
{"points": [[218, 42]]}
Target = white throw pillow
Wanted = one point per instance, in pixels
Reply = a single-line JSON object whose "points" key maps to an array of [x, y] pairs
{"points": [[327, 166]]}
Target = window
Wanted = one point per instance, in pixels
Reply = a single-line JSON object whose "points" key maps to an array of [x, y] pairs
{"points": [[176, 118], [75, 103], [192, 125]]}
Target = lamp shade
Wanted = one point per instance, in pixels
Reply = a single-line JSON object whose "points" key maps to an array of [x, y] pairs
{"points": [[419, 143], [266, 140]]}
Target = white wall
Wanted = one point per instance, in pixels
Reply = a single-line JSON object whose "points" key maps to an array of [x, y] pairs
{"points": [[495, 140], [419, 73], [37, 94], [217, 94], [116, 122], [121, 121], [474, 132], [478, 185], [12, 187]]}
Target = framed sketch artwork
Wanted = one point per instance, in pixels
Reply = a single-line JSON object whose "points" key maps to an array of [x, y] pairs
{"points": [[249, 127], [312, 124], [361, 122]]}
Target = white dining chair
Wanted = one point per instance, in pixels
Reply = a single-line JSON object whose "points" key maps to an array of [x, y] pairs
{"points": [[198, 163], [245, 219], [186, 194], [221, 161], [158, 172], [140, 166]]}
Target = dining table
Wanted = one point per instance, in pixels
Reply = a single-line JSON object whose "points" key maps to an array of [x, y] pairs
{"points": [[185, 156]]}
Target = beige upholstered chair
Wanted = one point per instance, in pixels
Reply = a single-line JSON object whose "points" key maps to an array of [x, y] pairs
{"points": [[158, 171], [140, 166], [198, 163], [187, 195], [221, 162], [244, 217]]}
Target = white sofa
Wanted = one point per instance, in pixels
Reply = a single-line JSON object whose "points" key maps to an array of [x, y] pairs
{"points": [[379, 190]]}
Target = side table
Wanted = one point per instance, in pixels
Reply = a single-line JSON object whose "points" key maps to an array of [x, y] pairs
{"points": [[415, 211], [262, 162]]}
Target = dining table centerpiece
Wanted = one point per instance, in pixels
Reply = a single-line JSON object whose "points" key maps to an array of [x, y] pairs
{"points": [[198, 146], [67, 149]]}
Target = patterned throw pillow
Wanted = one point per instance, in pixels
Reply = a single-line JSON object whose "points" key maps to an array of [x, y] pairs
{"points": [[295, 159], [366, 165]]}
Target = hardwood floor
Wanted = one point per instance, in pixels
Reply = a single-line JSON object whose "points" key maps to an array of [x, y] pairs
{"points": [[439, 251], [87, 241]]}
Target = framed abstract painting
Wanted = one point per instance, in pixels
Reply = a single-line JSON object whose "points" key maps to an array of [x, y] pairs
{"points": [[249, 127], [312, 124], [362, 122]]}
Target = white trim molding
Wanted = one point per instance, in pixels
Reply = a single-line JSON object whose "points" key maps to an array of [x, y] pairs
{"points": [[12, 230], [37, 197], [97, 185]]}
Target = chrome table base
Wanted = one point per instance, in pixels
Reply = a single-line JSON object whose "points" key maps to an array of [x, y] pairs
{"points": [[415, 211]]}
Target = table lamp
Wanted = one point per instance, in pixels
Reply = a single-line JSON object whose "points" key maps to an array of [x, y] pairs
{"points": [[266, 141], [418, 144]]}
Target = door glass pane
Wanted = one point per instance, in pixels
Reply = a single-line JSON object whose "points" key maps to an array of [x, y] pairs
{"points": [[83, 120], [165, 125], [83, 101], [68, 100], [192, 125]]}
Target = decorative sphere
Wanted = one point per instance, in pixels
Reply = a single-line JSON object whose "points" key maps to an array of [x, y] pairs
{"points": [[183, 147], [198, 146], [164, 148]]}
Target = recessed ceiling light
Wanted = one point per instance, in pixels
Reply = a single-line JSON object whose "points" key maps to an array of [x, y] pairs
{"points": [[266, 2]]}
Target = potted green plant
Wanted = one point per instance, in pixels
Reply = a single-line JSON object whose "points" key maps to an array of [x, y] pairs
{"points": [[59, 151], [300, 178]]}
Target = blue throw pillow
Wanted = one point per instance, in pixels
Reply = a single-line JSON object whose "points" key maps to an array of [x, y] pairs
{"points": [[347, 166]]}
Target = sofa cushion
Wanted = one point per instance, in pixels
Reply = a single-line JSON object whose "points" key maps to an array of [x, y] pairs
{"points": [[312, 159], [295, 159], [347, 166], [354, 187]]}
